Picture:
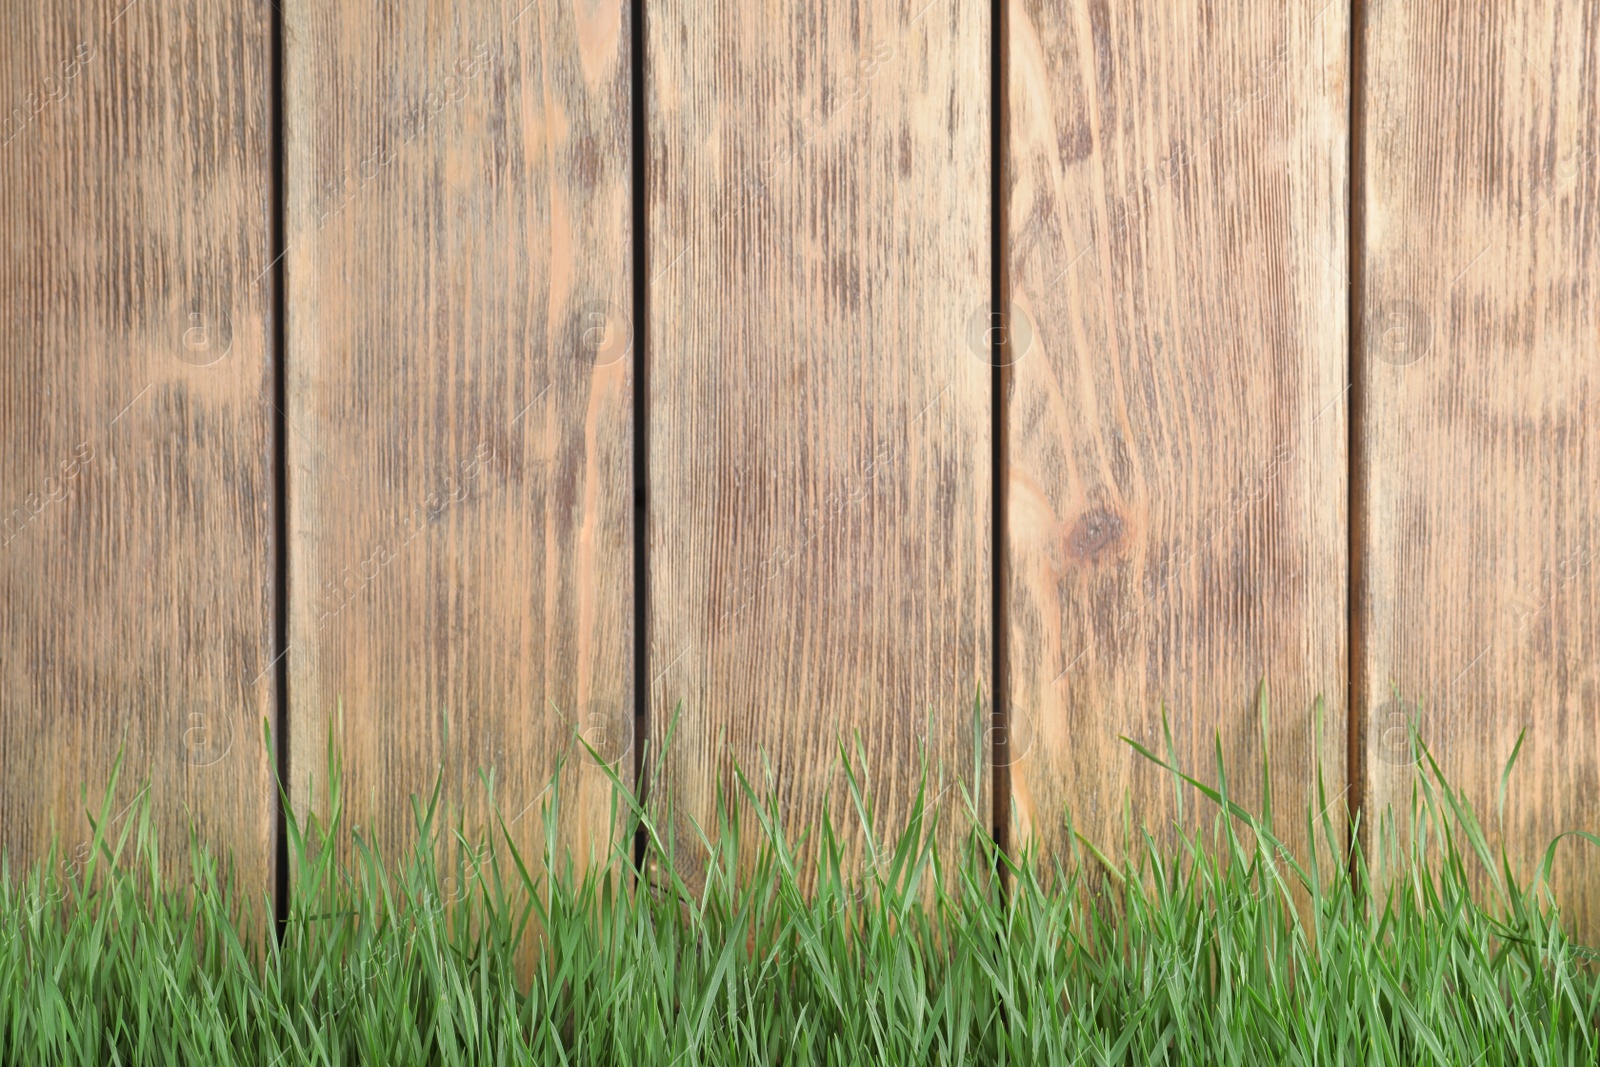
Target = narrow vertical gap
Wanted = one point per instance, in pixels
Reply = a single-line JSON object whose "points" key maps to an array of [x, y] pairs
{"points": [[1000, 309], [639, 192], [1357, 695], [280, 481]]}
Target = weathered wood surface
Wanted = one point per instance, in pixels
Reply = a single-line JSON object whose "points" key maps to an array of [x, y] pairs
{"points": [[819, 409], [135, 559], [460, 407], [1176, 456], [460, 398], [1481, 362]]}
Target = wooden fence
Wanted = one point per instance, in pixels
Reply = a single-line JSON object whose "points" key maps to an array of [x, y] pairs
{"points": [[451, 379]]}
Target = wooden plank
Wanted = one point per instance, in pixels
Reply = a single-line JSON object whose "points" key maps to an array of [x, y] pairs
{"points": [[136, 582], [1175, 480], [1482, 415], [818, 442], [460, 407]]}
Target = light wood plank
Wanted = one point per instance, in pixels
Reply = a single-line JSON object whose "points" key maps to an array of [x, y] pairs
{"points": [[819, 460], [1176, 458], [136, 581], [1481, 349], [460, 406]]}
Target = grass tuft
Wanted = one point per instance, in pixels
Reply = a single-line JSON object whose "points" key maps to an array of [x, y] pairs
{"points": [[1228, 948]]}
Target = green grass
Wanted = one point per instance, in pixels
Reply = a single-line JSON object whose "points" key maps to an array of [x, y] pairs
{"points": [[1221, 949]]}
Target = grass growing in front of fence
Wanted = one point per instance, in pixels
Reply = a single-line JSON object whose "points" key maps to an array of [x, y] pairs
{"points": [[1194, 954]]}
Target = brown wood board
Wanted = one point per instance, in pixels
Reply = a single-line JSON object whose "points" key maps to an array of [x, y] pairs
{"points": [[1175, 464], [136, 584], [1481, 429], [459, 420], [819, 399]]}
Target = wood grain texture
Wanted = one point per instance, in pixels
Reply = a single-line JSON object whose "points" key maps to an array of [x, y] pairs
{"points": [[819, 461], [1175, 484], [1481, 349], [459, 407], [135, 558]]}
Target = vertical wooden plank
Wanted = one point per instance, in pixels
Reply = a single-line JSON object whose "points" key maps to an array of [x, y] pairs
{"points": [[1177, 437], [136, 572], [459, 405], [1482, 414], [819, 416]]}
